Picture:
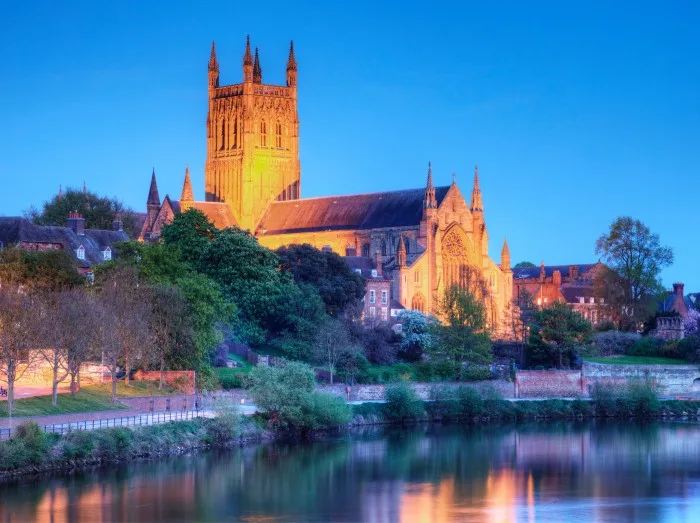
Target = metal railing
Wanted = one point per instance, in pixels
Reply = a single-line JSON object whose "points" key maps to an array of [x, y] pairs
{"points": [[125, 421]]}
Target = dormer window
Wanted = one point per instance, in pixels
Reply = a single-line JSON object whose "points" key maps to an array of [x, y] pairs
{"points": [[80, 252], [591, 300], [581, 299], [359, 271], [107, 254]]}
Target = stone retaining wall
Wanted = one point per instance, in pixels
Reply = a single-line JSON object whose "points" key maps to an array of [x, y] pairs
{"points": [[378, 392], [548, 384]]}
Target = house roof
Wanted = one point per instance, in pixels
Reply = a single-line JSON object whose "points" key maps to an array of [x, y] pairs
{"points": [[572, 293], [364, 265], [219, 213], [350, 212], [15, 230], [523, 273]]}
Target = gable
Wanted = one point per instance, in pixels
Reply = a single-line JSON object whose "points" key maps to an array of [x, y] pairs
{"points": [[351, 212]]}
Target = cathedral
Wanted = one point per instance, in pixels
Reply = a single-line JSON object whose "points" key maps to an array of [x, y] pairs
{"points": [[422, 241]]}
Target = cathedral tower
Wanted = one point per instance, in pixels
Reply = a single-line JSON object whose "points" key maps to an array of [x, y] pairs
{"points": [[252, 140]]}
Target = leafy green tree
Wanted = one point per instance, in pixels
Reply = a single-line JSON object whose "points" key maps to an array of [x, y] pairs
{"points": [[47, 270], [286, 397], [337, 284], [636, 257], [190, 232], [332, 344], [99, 211], [524, 265], [463, 336], [556, 332]]}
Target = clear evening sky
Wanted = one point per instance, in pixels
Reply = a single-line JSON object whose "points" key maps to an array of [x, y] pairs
{"points": [[576, 112]]}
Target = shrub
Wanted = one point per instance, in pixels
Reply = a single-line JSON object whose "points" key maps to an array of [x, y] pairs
{"points": [[470, 402], [224, 427], [635, 398], [611, 343], [233, 380], [435, 370], [442, 404], [646, 346], [641, 398], [35, 441], [386, 373], [689, 347], [402, 402], [329, 411], [476, 373]]}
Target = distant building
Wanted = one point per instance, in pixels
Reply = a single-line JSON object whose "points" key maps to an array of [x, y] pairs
{"points": [[89, 247], [676, 301], [571, 284], [377, 305]]}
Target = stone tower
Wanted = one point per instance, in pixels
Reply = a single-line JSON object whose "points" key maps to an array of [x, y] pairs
{"points": [[252, 140]]}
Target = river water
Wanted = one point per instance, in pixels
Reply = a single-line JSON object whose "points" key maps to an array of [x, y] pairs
{"points": [[544, 472]]}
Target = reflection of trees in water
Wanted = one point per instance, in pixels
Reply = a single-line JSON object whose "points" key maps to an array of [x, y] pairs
{"points": [[376, 472]]}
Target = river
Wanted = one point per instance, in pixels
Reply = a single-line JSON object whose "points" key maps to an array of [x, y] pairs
{"points": [[600, 472]]}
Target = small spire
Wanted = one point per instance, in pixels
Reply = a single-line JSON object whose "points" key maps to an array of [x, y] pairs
{"points": [[454, 178], [257, 70], [430, 175], [84, 187], [430, 202], [213, 62], [153, 197], [247, 57], [291, 61], [477, 202], [187, 194], [401, 253], [60, 192], [505, 251]]}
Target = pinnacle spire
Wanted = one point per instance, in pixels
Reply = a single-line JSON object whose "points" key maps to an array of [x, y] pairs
{"points": [[153, 197], [60, 192], [187, 194], [213, 62], [477, 202], [291, 61], [505, 250], [430, 202], [84, 187], [247, 57], [257, 70], [401, 253]]}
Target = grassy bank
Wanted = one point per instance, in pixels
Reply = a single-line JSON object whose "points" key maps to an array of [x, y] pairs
{"points": [[31, 450]]}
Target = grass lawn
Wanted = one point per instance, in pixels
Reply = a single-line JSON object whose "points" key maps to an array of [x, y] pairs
{"points": [[84, 401], [135, 388], [637, 360], [232, 377]]}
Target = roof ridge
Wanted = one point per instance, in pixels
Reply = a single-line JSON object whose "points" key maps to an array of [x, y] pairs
{"points": [[421, 189]]}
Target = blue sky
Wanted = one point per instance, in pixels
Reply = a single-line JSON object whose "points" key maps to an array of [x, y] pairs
{"points": [[576, 112]]}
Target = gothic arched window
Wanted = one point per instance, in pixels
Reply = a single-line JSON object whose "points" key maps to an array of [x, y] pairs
{"points": [[223, 134], [234, 134], [365, 250], [418, 302], [263, 134], [383, 248], [278, 135]]}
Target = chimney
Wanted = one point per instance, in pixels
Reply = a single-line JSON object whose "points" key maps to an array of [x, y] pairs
{"points": [[556, 278], [378, 262], [678, 289], [542, 273], [573, 271], [117, 224], [76, 222]]}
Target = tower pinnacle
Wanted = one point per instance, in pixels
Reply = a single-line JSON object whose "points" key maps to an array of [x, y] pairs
{"points": [[401, 253], [429, 201], [247, 62], [477, 202], [153, 197], [505, 255], [291, 67], [213, 62], [257, 70], [187, 194]]}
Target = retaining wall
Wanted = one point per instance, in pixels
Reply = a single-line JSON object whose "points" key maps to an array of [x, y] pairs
{"points": [[378, 392]]}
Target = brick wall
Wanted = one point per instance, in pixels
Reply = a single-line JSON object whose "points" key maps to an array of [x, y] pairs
{"points": [[182, 380]]}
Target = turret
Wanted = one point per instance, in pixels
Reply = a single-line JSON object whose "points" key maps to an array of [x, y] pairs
{"points": [[187, 197], [401, 253], [291, 67], [429, 201], [257, 70], [247, 62], [477, 202], [505, 256], [213, 68], [153, 201]]}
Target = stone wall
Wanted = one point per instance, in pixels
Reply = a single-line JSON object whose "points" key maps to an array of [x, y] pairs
{"points": [[378, 392], [548, 384], [669, 380]]}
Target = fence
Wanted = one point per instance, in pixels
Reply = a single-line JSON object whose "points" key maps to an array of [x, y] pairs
{"points": [[127, 421]]}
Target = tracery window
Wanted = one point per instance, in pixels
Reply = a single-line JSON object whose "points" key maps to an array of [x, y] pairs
{"points": [[418, 302], [223, 134], [263, 133], [278, 135]]}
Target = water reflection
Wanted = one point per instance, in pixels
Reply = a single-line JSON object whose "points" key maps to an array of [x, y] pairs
{"points": [[608, 472]]}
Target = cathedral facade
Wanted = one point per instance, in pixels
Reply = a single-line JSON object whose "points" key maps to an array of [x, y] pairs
{"points": [[424, 240]]}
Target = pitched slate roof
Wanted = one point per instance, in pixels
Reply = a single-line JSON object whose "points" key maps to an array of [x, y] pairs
{"points": [[350, 212], [219, 213], [364, 266], [522, 273], [572, 293], [15, 230]]}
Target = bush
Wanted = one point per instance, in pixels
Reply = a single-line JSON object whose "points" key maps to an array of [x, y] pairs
{"points": [[470, 402], [476, 373], [613, 343], [35, 441], [402, 402], [646, 346], [329, 411], [224, 427], [636, 398], [689, 347], [386, 373], [435, 370]]}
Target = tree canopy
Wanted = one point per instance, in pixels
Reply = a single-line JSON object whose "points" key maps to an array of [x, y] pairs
{"points": [[524, 265], [49, 270], [556, 332], [99, 211]]}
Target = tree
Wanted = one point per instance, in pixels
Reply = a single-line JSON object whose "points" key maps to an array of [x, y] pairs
{"points": [[691, 321], [636, 257], [524, 265], [336, 283], [19, 334], [331, 345], [416, 332], [48, 270], [189, 232], [99, 212], [463, 336], [555, 333]]}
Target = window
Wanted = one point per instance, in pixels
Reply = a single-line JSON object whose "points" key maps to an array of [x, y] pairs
{"points": [[539, 301], [372, 312], [223, 134], [107, 254], [80, 252], [581, 299], [234, 137], [359, 271], [602, 300], [278, 135], [365, 250], [591, 300], [372, 296], [394, 314], [374, 273], [545, 300], [416, 277], [385, 297], [398, 327], [384, 314], [263, 134], [383, 248]]}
